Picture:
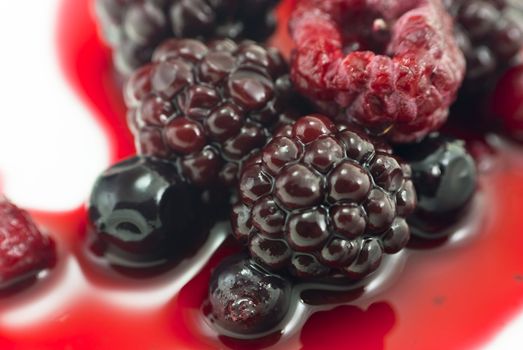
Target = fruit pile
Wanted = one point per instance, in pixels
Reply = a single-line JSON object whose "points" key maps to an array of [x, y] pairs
{"points": [[325, 165]]}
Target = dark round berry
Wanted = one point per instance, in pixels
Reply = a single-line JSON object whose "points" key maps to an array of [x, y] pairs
{"points": [[145, 212], [445, 178], [210, 106], [245, 299], [134, 28], [323, 201]]}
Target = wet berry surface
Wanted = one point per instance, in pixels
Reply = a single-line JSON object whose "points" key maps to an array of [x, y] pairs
{"points": [[468, 286]]}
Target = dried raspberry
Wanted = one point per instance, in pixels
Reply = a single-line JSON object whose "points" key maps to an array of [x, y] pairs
{"points": [[489, 35], [24, 250], [134, 28], [208, 106], [323, 201], [402, 71]]}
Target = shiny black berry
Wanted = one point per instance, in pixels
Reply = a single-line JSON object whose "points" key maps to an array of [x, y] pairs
{"points": [[247, 300], [134, 28], [445, 178], [323, 201], [145, 213], [208, 107]]}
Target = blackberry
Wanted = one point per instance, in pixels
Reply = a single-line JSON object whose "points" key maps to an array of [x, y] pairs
{"points": [[445, 177], [145, 213], [393, 66], [489, 35], [324, 201], [208, 107], [245, 299], [134, 28], [24, 250]]}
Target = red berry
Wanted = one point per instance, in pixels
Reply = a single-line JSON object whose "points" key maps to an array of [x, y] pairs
{"points": [[402, 70], [507, 102], [24, 250]]}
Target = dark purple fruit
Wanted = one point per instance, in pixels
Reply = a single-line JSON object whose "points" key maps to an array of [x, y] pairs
{"points": [[245, 299], [323, 201], [445, 178], [143, 210], [134, 28], [208, 107]]}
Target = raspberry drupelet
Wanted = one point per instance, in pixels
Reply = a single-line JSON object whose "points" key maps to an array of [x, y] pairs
{"points": [[134, 28], [323, 201], [209, 107], [391, 66]]}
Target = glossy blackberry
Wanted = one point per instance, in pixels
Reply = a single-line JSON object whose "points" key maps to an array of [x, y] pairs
{"points": [[24, 250], [489, 35], [134, 28], [445, 177], [145, 213], [323, 201], [245, 299], [208, 107]]}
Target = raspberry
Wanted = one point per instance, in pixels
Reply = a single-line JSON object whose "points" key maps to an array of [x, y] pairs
{"points": [[245, 299], [323, 201], [445, 177], [489, 36], [134, 28], [145, 213], [402, 71], [24, 250], [208, 107]]}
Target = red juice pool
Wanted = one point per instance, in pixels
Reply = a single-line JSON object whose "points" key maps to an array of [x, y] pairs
{"points": [[453, 295]]}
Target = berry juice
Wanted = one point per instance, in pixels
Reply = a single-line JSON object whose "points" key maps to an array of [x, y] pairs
{"points": [[450, 294]]}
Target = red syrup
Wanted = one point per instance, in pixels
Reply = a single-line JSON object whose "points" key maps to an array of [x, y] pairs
{"points": [[454, 294]]}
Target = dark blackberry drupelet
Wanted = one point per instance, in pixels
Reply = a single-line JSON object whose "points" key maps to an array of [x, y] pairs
{"points": [[323, 201], [490, 37], [445, 177], [134, 28], [208, 107]]}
